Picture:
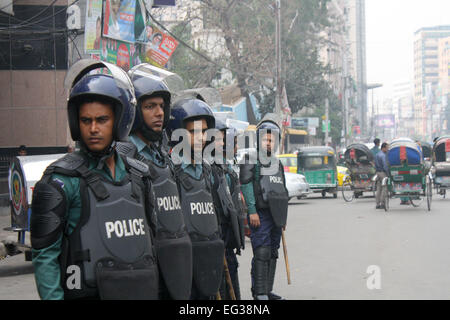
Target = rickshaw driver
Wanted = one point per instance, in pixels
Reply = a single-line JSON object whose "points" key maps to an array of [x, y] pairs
{"points": [[382, 172]]}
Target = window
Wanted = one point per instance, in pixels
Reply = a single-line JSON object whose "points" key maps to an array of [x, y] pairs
{"points": [[40, 45]]}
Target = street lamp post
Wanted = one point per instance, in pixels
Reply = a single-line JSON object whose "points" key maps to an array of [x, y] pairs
{"points": [[372, 87]]}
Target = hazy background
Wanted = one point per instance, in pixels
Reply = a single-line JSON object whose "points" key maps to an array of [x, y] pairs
{"points": [[390, 27]]}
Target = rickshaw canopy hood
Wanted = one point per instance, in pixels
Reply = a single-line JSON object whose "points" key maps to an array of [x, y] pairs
{"points": [[361, 149], [413, 153]]}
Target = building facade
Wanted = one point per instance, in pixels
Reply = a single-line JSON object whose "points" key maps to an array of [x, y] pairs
{"points": [[33, 65], [427, 95]]}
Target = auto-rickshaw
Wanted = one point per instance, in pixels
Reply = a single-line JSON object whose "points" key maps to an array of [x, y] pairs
{"points": [[441, 164], [289, 162], [318, 165]]}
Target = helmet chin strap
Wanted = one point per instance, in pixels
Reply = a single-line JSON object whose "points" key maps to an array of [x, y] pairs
{"points": [[150, 134], [101, 156]]}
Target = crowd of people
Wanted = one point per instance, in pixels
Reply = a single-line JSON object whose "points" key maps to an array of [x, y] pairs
{"points": [[121, 219]]}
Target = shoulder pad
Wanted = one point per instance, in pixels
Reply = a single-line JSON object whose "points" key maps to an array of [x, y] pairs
{"points": [[127, 148], [70, 161], [48, 214], [138, 165], [246, 173]]}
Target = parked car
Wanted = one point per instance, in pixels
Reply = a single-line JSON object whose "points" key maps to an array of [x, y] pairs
{"points": [[297, 185]]}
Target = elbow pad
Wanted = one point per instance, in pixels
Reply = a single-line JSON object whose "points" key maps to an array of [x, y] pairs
{"points": [[246, 173], [48, 210]]}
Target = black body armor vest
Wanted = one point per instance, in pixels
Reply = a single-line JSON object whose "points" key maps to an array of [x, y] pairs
{"points": [[109, 254], [172, 242], [201, 223]]}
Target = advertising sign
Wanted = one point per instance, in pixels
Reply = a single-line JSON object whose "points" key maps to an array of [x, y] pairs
{"points": [[118, 19], [123, 54], [93, 26], [385, 121], [130, 37]]}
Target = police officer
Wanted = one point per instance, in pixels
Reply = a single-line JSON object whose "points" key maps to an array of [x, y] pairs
{"points": [[195, 181], [90, 211], [264, 188], [227, 198], [172, 242]]}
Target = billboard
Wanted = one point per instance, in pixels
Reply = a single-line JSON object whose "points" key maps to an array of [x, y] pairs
{"points": [[304, 122], [385, 121], [93, 27], [128, 35], [123, 54], [119, 19]]}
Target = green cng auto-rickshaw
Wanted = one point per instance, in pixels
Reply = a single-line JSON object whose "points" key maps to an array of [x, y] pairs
{"points": [[318, 165]]}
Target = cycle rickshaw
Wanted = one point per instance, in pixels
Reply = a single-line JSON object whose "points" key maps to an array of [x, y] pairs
{"points": [[359, 161], [441, 165], [407, 174]]}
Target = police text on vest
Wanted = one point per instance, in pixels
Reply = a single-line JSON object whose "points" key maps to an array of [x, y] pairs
{"points": [[202, 208], [275, 179], [125, 228], [169, 203]]}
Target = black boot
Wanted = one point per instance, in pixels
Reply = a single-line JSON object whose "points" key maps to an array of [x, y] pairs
{"points": [[271, 278], [261, 273]]}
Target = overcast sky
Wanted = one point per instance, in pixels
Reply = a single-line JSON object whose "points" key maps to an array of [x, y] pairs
{"points": [[390, 27]]}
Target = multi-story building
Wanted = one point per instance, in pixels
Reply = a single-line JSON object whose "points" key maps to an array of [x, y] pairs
{"points": [[426, 79], [403, 109], [444, 65], [33, 65], [358, 69]]}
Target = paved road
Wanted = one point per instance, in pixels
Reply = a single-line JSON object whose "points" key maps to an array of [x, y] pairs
{"points": [[331, 245]]}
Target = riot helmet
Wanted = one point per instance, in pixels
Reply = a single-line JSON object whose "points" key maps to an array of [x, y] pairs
{"points": [[268, 126], [114, 88], [230, 142], [147, 85], [184, 111], [229, 137], [189, 110]]}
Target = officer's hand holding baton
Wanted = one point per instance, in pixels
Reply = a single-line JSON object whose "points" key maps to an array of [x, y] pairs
{"points": [[254, 220]]}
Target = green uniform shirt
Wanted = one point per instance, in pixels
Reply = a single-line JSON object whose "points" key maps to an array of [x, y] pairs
{"points": [[148, 152], [248, 190], [45, 261]]}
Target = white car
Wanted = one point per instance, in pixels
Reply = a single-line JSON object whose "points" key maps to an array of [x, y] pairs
{"points": [[297, 185]]}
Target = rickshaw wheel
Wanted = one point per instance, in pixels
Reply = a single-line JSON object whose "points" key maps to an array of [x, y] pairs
{"points": [[347, 192]]}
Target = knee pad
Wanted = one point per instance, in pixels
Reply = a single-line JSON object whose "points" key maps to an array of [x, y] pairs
{"points": [[48, 211], [263, 253]]}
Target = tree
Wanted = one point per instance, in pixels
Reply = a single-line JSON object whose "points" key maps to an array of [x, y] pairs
{"points": [[245, 45]]}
